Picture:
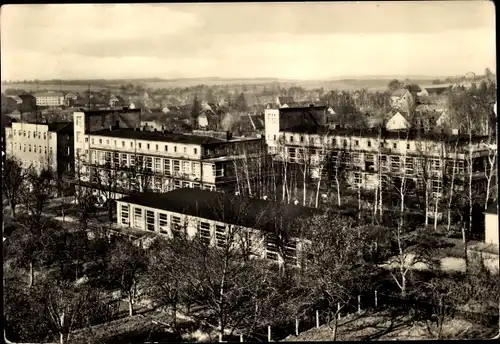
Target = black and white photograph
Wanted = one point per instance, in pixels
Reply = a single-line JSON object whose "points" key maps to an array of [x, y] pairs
{"points": [[249, 172]]}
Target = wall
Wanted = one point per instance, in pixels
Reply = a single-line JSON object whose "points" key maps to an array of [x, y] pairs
{"points": [[491, 229], [44, 142]]}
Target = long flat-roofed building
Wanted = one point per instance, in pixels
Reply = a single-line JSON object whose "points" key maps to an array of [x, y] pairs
{"points": [[212, 215], [112, 145]]}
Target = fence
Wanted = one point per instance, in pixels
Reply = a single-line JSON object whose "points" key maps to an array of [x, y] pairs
{"points": [[367, 302]]}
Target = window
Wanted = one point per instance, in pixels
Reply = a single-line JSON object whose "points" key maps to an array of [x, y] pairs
{"points": [[195, 150], [157, 183], [138, 220], [86, 139], [357, 179], [302, 139], [92, 141], [177, 167], [163, 222], [34, 148], [311, 140], [395, 163], [369, 143], [204, 231], [177, 184], [394, 145], [274, 137], [150, 220], [116, 159], [157, 165], [107, 157], [107, 142], [345, 143], [125, 216], [176, 225], [123, 143], [132, 160], [44, 136], [185, 167], [291, 138], [131, 144], [29, 133], [220, 236], [166, 148], [407, 146], [45, 150], [40, 149], [195, 169], [149, 164], [436, 186], [185, 184], [175, 149], [100, 141], [139, 144], [292, 154], [78, 119], [34, 134], [196, 185], [148, 146], [14, 132], [157, 147], [24, 133], [29, 148], [185, 149], [124, 159], [166, 167]]}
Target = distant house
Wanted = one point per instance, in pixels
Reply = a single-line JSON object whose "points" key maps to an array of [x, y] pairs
{"points": [[15, 115], [284, 101], [402, 99], [152, 125], [51, 98], [208, 119], [28, 103], [16, 99], [397, 122]]}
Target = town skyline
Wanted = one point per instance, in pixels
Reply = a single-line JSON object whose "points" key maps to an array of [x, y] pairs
{"points": [[241, 41]]}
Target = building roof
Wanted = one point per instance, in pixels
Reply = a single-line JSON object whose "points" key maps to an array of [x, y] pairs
{"points": [[399, 92], [285, 100], [492, 209], [223, 207], [49, 94], [129, 133], [106, 112]]}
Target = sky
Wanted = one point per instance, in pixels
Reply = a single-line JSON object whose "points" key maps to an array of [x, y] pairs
{"points": [[239, 40]]}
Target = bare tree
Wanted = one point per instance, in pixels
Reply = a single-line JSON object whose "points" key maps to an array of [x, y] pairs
{"points": [[491, 169], [13, 183], [412, 248], [336, 271], [127, 261]]}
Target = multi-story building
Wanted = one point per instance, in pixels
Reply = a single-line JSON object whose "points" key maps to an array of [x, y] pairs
{"points": [[51, 99], [146, 160], [42, 145], [371, 159], [212, 216]]}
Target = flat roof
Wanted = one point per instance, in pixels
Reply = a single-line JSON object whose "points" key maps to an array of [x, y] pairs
{"points": [[223, 207], [130, 133], [106, 112]]}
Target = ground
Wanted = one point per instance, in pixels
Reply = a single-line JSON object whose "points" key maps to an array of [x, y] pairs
{"points": [[384, 326]]}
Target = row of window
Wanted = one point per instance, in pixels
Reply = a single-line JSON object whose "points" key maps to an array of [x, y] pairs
{"points": [[35, 134], [164, 166], [148, 146], [313, 141], [22, 147], [155, 183], [146, 219]]}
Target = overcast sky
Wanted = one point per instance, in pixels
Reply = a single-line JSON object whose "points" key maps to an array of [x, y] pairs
{"points": [[294, 40]]}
